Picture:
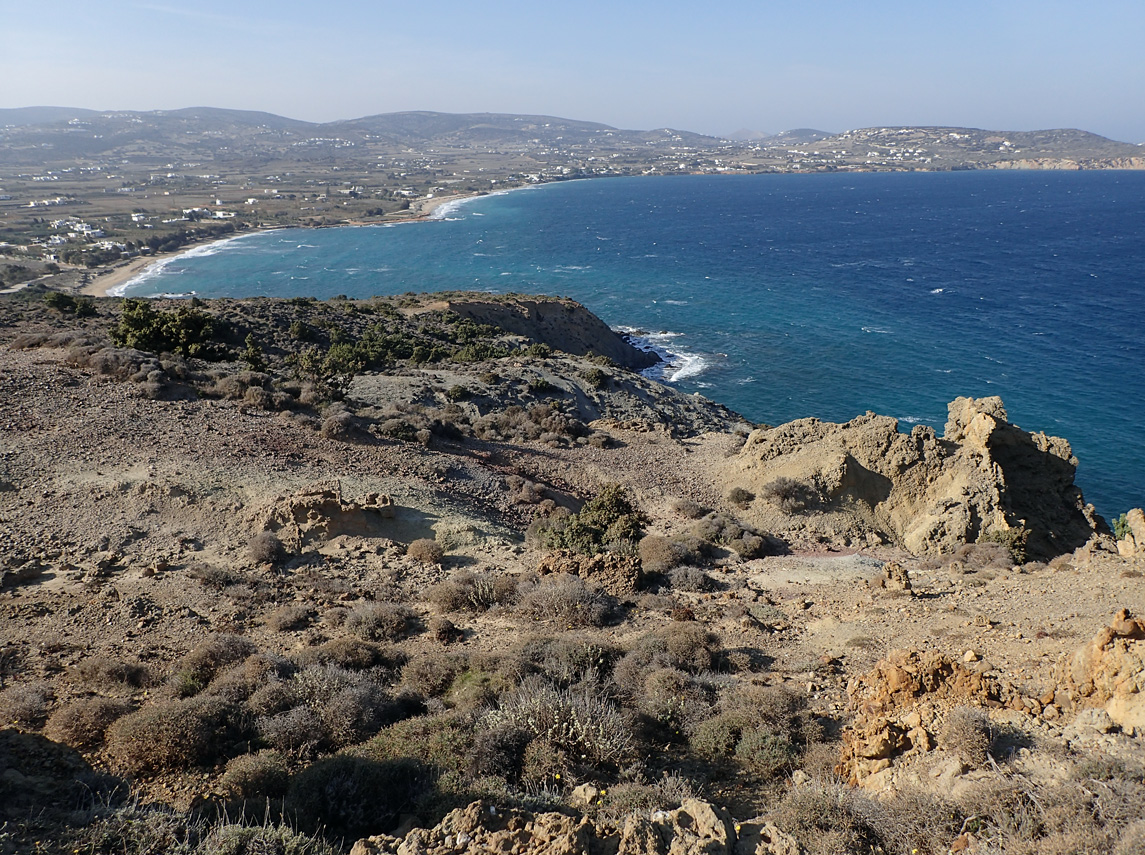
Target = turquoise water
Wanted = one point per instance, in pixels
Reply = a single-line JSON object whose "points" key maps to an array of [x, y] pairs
{"points": [[785, 296]]}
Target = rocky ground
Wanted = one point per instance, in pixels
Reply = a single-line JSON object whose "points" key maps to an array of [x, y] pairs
{"points": [[515, 597]]}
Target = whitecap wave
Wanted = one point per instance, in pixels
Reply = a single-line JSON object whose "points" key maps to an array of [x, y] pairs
{"points": [[877, 331], [937, 290], [677, 363], [159, 267]]}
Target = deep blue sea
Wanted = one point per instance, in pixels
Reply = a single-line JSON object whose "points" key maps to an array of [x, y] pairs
{"points": [[786, 296]]}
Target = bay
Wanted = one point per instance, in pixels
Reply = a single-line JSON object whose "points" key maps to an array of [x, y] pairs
{"points": [[786, 296]]}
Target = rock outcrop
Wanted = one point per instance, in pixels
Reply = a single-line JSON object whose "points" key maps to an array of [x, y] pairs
{"points": [[928, 494], [900, 705], [1132, 543], [562, 324], [320, 514], [1109, 672], [695, 828]]}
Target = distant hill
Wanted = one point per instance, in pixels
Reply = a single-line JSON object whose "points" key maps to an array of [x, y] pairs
{"points": [[18, 116], [250, 140]]}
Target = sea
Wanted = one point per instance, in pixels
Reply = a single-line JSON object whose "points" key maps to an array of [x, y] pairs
{"points": [[787, 296]]}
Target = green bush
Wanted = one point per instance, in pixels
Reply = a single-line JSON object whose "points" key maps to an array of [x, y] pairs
{"points": [[184, 330], [606, 521], [1121, 527]]}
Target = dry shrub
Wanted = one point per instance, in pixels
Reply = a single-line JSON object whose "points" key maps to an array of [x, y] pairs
{"points": [[105, 672], [688, 509], [563, 598], [25, 704], [426, 550], [568, 658], [675, 700], [215, 578], [289, 618], [622, 800], [380, 621], [691, 579], [266, 548], [580, 720], [476, 592], [500, 752], [967, 734], [445, 630], [296, 732], [341, 425], [199, 667], [255, 776], [353, 654], [658, 553], [827, 819], [356, 713], [740, 497], [789, 495], [84, 722], [431, 674], [169, 736]]}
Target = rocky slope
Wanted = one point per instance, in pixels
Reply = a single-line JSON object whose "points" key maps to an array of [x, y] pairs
{"points": [[484, 597]]}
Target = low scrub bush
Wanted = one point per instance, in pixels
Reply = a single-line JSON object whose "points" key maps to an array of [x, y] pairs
{"points": [[426, 550], [580, 720], [353, 654], [266, 548], [255, 776], [474, 592], [380, 621], [431, 674], [562, 598], [169, 736], [106, 672], [296, 732], [967, 734], [346, 798], [25, 704], [606, 522], [84, 722], [289, 618], [196, 670], [185, 330], [789, 495], [658, 554]]}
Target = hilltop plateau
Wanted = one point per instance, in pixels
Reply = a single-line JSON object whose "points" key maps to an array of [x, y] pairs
{"points": [[445, 573]]}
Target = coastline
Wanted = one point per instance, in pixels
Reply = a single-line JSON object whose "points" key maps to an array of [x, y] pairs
{"points": [[108, 278]]}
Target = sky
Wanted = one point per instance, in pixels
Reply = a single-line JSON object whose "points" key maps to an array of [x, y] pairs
{"points": [[711, 67]]}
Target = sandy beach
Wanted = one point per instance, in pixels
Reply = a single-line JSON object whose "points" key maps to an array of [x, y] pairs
{"points": [[108, 278]]}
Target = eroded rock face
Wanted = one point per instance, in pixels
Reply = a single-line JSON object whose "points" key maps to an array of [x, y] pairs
{"points": [[619, 575], [320, 514], [1109, 672], [926, 493], [900, 705]]}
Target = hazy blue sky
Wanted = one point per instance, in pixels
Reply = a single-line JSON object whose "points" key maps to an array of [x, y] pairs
{"points": [[709, 67]]}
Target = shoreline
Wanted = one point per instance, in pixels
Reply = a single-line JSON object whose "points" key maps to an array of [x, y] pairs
{"points": [[121, 273]]}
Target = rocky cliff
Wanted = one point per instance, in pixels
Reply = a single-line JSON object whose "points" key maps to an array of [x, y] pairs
{"points": [[564, 325], [983, 479]]}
